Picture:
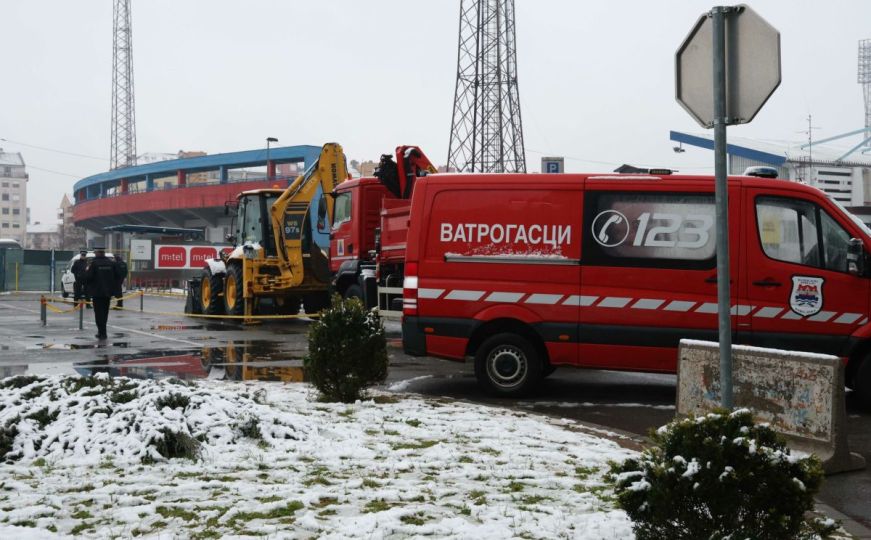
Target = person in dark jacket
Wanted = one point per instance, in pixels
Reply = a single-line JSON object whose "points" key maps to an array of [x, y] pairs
{"points": [[101, 279], [78, 271], [120, 276]]}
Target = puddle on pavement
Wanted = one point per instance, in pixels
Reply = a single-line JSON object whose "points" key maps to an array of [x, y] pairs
{"points": [[178, 327], [234, 361], [75, 346]]}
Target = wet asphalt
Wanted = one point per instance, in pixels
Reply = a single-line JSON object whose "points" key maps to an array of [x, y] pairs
{"points": [[162, 342]]}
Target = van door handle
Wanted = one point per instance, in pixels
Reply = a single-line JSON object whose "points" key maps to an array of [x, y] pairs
{"points": [[767, 282]]}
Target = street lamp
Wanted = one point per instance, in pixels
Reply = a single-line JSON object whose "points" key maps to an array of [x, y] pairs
{"points": [[268, 141]]}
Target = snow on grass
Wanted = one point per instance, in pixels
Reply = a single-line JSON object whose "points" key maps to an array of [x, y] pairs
{"points": [[274, 462]]}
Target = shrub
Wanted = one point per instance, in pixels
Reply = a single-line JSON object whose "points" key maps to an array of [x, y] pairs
{"points": [[347, 351], [718, 476]]}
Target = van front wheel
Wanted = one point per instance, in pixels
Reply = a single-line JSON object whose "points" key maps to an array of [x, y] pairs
{"points": [[508, 365]]}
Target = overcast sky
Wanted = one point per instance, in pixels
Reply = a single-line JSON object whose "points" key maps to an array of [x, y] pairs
{"points": [[596, 79]]}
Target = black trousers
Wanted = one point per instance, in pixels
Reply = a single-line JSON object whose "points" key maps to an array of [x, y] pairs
{"points": [[101, 313], [78, 290]]}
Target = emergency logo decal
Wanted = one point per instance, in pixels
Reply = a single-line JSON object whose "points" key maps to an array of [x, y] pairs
{"points": [[610, 228], [340, 247], [806, 297]]}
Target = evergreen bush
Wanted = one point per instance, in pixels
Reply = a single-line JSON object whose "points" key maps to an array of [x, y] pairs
{"points": [[347, 351], [717, 477]]}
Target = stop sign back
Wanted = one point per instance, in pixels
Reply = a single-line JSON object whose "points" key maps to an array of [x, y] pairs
{"points": [[752, 67]]}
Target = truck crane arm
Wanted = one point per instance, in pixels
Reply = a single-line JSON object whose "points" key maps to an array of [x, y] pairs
{"points": [[398, 176], [290, 211]]}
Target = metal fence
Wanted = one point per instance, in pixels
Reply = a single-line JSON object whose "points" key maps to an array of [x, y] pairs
{"points": [[32, 269]]}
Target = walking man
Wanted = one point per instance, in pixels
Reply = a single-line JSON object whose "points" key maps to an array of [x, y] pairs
{"points": [[120, 276], [101, 279], [78, 270]]}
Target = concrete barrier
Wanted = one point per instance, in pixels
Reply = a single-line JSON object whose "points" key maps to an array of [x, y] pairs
{"points": [[801, 395]]}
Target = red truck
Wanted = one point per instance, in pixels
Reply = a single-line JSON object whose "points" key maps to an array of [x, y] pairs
{"points": [[370, 223], [522, 273]]}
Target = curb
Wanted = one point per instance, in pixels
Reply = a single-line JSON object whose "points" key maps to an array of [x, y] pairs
{"points": [[853, 527]]}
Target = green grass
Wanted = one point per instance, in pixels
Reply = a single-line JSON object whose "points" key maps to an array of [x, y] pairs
{"points": [[466, 459], [168, 512], [81, 527], [269, 499], [25, 523], [418, 518], [325, 501], [377, 505], [419, 445], [584, 472], [82, 514], [369, 483], [414, 423], [276, 513], [514, 487]]}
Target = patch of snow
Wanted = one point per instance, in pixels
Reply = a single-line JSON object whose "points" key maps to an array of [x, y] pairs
{"points": [[409, 468], [403, 385]]}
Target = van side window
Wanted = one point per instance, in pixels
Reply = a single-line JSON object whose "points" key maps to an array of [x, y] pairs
{"points": [[652, 230], [836, 241], [800, 232], [342, 211], [788, 230]]}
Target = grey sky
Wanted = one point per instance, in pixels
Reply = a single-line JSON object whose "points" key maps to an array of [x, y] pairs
{"points": [[596, 78]]}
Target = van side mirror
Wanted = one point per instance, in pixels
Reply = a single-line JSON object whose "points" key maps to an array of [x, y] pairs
{"points": [[856, 257], [322, 215]]}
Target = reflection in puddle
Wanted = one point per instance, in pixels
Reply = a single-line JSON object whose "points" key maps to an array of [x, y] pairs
{"points": [[242, 361]]}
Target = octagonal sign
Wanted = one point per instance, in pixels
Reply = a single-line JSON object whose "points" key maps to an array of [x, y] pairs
{"points": [[752, 67]]}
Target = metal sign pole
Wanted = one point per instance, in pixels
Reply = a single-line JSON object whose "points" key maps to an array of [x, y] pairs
{"points": [[724, 303]]}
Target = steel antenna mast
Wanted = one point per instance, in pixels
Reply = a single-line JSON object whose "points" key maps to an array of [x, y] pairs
{"points": [[864, 79], [123, 138], [486, 128]]}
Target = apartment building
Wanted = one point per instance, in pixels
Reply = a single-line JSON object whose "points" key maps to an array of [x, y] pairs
{"points": [[13, 197]]}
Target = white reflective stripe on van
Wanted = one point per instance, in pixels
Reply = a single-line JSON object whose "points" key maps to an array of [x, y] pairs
{"points": [[546, 299], [768, 312], [742, 310], [614, 302], [708, 307], [648, 303], [464, 295], [823, 316], [575, 300], [848, 318], [679, 305], [508, 297], [429, 293]]}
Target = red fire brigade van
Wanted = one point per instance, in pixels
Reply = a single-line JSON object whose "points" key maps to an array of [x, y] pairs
{"points": [[523, 273]]}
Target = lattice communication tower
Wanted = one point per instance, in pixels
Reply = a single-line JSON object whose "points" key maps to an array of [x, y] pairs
{"points": [[865, 77], [123, 139], [486, 129]]}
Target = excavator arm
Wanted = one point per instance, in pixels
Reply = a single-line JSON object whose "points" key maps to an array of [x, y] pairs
{"points": [[290, 212]]}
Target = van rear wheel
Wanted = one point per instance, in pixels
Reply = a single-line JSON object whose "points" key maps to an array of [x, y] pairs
{"points": [[508, 365]]}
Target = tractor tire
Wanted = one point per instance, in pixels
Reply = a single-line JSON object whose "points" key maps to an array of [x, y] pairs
{"points": [[211, 291], [316, 302], [507, 365], [234, 291]]}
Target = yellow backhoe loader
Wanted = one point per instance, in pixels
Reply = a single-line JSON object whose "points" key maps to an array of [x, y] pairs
{"points": [[275, 264]]}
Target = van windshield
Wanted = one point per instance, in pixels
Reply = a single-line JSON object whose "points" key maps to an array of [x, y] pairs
{"points": [[865, 230]]}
